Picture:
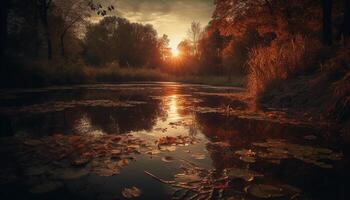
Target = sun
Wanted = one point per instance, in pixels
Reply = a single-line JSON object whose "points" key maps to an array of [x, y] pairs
{"points": [[175, 52]]}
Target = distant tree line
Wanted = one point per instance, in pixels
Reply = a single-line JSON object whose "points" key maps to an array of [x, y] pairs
{"points": [[64, 29], [116, 39]]}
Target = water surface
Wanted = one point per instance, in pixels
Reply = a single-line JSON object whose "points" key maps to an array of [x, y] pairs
{"points": [[168, 140]]}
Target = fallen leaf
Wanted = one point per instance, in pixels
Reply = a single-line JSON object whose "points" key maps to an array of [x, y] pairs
{"points": [[198, 156], [132, 192]]}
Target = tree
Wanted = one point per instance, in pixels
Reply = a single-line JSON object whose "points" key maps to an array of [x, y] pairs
{"points": [[3, 34], [116, 39], [282, 17], [98, 44], [163, 46], [235, 55], [185, 48], [211, 47], [327, 22], [194, 34], [43, 7], [73, 13], [345, 29]]}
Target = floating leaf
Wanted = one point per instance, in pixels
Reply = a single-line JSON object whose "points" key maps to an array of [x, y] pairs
{"points": [[168, 148], [132, 192], [153, 152], [280, 149], [198, 156], [80, 161], [246, 155]]}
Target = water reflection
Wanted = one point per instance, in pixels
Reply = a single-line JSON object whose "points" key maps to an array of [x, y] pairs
{"points": [[173, 111], [166, 110]]}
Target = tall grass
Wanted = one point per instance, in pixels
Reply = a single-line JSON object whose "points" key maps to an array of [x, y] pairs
{"points": [[114, 73], [269, 65]]}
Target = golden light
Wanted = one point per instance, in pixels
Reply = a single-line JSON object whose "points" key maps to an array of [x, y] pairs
{"points": [[173, 110], [175, 52]]}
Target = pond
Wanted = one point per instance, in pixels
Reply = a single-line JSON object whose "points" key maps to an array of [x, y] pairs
{"points": [[162, 141]]}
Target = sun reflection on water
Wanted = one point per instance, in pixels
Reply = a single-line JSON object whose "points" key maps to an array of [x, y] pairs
{"points": [[173, 108]]}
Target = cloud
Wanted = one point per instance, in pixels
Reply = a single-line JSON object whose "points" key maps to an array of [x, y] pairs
{"points": [[171, 17]]}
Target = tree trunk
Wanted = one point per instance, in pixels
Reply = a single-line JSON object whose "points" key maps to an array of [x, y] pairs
{"points": [[327, 35], [4, 14], [43, 8], [63, 54], [48, 37], [346, 22]]}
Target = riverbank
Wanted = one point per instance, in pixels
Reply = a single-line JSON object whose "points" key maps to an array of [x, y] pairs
{"points": [[49, 74]]}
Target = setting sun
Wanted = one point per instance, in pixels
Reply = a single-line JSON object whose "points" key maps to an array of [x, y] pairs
{"points": [[175, 52]]}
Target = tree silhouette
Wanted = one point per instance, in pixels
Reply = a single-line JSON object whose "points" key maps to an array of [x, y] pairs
{"points": [[194, 34]]}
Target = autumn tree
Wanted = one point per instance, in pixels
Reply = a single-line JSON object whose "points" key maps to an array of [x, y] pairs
{"points": [[236, 53], [211, 46]]}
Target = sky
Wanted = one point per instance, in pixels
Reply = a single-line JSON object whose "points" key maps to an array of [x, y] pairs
{"points": [[170, 17]]}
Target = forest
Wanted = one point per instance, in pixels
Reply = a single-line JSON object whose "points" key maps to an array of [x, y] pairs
{"points": [[254, 104]]}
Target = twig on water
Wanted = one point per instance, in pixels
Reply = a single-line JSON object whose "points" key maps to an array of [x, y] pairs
{"points": [[159, 179]]}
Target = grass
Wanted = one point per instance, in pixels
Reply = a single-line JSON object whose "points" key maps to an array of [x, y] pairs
{"points": [[58, 72], [237, 81], [283, 59], [302, 74]]}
